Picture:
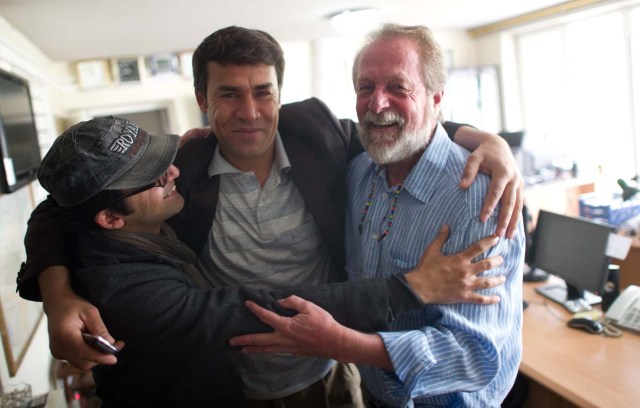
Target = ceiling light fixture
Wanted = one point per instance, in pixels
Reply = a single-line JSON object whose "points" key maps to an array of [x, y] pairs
{"points": [[355, 21]]}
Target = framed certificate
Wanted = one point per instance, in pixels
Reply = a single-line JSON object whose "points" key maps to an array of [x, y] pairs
{"points": [[93, 74]]}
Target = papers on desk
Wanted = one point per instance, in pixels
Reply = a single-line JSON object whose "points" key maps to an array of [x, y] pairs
{"points": [[618, 246]]}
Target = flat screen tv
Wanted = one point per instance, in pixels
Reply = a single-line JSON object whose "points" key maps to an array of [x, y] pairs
{"points": [[19, 144]]}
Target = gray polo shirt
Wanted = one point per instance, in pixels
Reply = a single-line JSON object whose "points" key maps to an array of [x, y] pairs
{"points": [[265, 238]]}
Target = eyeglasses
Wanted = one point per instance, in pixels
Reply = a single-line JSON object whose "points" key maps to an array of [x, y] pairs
{"points": [[160, 182]]}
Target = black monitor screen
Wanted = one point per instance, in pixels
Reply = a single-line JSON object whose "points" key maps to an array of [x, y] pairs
{"points": [[18, 136], [514, 139], [573, 249]]}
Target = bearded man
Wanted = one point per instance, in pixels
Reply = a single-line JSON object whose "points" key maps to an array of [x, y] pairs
{"points": [[400, 192]]}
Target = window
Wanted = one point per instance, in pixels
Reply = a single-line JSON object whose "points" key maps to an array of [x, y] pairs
{"points": [[635, 79], [577, 96]]}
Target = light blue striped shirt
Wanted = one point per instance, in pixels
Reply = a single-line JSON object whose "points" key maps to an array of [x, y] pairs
{"points": [[443, 355]]}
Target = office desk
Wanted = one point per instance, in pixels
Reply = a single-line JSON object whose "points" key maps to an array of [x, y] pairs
{"points": [[585, 369]]}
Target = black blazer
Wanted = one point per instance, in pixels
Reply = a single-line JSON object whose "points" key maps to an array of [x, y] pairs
{"points": [[319, 147]]}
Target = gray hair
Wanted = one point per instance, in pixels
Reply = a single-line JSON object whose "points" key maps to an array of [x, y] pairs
{"points": [[431, 56]]}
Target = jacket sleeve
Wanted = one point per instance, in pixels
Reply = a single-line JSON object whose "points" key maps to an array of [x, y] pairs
{"points": [[451, 128], [151, 305], [49, 230]]}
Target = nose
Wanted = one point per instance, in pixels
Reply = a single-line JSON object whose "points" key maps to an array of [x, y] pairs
{"points": [[248, 109], [379, 100], [173, 173]]}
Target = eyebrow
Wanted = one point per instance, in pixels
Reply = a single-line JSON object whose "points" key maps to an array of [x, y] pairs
{"points": [[229, 88]]}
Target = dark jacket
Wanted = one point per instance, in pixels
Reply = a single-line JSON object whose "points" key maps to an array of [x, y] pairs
{"points": [[174, 331], [169, 327], [319, 147]]}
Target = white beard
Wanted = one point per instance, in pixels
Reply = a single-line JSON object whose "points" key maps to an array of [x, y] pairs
{"points": [[405, 144]]}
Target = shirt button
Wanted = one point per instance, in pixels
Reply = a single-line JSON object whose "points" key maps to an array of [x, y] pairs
{"points": [[384, 195], [261, 203], [374, 236]]}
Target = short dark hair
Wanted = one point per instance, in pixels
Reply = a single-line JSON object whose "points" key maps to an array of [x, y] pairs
{"points": [[236, 45], [85, 212]]}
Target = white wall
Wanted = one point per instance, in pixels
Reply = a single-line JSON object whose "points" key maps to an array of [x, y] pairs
{"points": [[22, 58]]}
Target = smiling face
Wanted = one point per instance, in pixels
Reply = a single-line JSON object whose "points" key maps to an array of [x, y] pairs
{"points": [[242, 104], [397, 113], [154, 206]]}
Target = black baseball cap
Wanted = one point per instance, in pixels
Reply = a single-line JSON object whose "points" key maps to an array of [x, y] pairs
{"points": [[108, 153]]}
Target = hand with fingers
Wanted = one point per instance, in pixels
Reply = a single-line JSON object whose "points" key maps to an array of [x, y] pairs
{"points": [[494, 157], [69, 317], [311, 332], [447, 279]]}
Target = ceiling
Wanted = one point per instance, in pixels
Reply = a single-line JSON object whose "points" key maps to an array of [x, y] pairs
{"points": [[69, 30]]}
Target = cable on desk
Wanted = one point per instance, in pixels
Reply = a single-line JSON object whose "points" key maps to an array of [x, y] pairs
{"points": [[609, 329]]}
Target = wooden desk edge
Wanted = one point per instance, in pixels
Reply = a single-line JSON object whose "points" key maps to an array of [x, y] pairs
{"points": [[548, 383]]}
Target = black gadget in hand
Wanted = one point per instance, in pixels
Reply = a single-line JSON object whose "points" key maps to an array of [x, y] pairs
{"points": [[100, 343]]}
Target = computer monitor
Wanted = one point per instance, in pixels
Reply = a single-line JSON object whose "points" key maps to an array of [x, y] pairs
{"points": [[514, 139], [573, 249]]}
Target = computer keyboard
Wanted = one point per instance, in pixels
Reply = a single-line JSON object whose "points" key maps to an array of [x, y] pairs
{"points": [[577, 305]]}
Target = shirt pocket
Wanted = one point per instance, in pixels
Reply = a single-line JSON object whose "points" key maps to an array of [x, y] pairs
{"points": [[402, 262]]}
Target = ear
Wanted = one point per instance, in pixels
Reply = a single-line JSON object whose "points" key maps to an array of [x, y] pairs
{"points": [[202, 102], [437, 98], [108, 219], [437, 104]]}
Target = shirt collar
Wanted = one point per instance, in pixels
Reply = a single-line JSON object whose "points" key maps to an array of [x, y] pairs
{"points": [[220, 165], [420, 180]]}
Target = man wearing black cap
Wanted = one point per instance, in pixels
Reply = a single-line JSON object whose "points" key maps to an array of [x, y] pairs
{"points": [[119, 184]]}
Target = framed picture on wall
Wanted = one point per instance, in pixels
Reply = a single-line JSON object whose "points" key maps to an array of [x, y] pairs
{"points": [[127, 70], [93, 74], [163, 64]]}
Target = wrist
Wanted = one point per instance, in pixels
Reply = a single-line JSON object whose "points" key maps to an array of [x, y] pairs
{"points": [[418, 285], [365, 348], [54, 284]]}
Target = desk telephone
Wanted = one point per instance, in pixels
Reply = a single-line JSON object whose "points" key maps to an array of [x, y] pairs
{"points": [[625, 311]]}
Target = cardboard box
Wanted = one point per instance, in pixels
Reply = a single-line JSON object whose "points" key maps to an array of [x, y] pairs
{"points": [[610, 210]]}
